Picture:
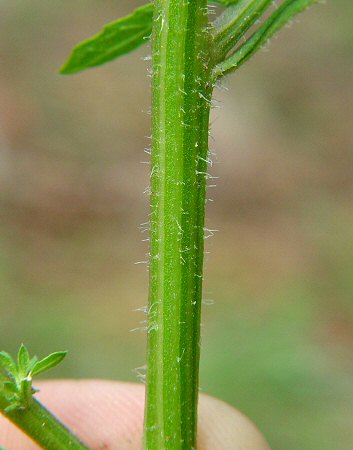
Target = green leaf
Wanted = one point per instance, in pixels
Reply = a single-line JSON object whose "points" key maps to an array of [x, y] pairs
{"points": [[116, 39], [285, 12], [47, 363], [231, 26], [23, 360], [7, 363]]}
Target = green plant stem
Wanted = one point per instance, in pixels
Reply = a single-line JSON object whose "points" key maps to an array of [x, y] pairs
{"points": [[180, 117], [45, 429]]}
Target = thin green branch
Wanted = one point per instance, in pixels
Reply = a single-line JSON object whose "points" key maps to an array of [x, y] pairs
{"points": [[283, 15], [231, 26], [44, 428]]}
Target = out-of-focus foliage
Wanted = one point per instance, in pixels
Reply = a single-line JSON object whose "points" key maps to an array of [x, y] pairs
{"points": [[277, 342]]}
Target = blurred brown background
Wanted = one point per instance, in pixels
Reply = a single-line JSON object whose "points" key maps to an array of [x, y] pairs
{"points": [[277, 340]]}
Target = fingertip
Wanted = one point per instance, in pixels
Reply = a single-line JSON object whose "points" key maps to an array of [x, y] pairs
{"points": [[222, 427], [103, 414], [109, 415]]}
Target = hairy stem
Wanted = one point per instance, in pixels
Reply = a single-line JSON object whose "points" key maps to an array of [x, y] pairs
{"points": [[180, 117], [40, 425]]}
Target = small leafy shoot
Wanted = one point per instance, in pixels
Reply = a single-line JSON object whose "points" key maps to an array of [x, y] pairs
{"points": [[116, 39], [16, 390]]}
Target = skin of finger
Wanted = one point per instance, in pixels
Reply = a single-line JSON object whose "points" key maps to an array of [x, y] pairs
{"points": [[108, 415]]}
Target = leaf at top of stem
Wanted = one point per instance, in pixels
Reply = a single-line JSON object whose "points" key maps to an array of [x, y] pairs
{"points": [[283, 14], [47, 363], [116, 39], [23, 360]]}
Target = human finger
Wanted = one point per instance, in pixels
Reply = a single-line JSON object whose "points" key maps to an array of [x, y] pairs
{"points": [[108, 415]]}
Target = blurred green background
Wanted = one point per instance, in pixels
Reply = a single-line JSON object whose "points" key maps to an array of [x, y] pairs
{"points": [[278, 314]]}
